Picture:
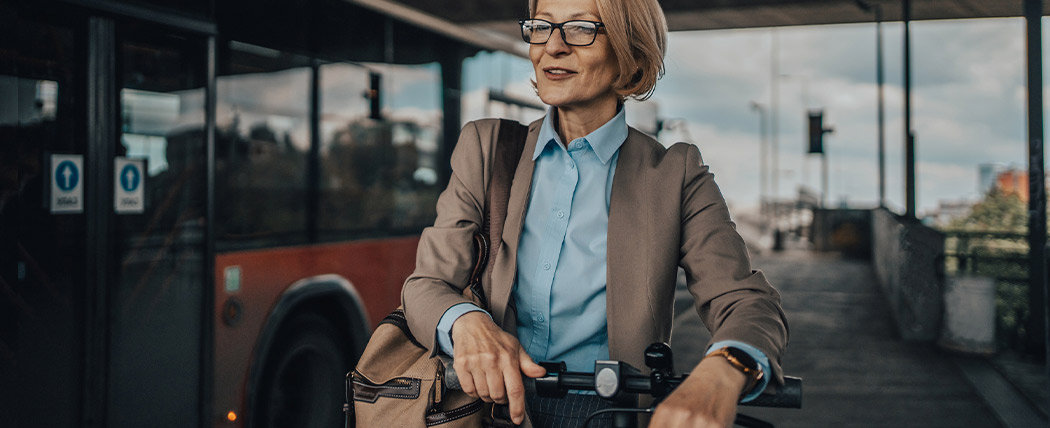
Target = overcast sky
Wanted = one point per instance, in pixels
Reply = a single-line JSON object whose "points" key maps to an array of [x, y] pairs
{"points": [[968, 104]]}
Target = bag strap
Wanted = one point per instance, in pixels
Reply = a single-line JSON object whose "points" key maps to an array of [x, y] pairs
{"points": [[510, 143]]}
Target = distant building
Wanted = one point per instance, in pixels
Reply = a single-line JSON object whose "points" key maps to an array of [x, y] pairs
{"points": [[988, 174], [1013, 182], [947, 211]]}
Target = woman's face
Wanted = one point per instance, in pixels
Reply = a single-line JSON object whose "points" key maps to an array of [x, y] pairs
{"points": [[573, 76]]}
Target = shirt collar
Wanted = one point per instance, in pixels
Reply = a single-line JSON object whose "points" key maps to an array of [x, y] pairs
{"points": [[605, 141]]}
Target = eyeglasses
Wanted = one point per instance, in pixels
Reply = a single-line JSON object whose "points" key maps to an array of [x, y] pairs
{"points": [[573, 33]]}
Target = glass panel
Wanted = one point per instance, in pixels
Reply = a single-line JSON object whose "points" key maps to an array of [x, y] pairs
{"points": [[413, 106], [378, 176], [41, 254], [262, 142], [156, 300], [499, 72]]}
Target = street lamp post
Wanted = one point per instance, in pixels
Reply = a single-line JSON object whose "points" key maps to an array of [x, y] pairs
{"points": [[774, 106], [762, 170]]}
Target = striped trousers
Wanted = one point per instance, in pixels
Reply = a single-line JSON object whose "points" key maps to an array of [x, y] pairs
{"points": [[568, 412]]}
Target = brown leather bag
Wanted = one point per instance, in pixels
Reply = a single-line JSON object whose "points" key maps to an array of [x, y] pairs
{"points": [[396, 383]]}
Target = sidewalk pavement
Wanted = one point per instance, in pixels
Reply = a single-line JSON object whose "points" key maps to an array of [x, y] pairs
{"points": [[856, 371]]}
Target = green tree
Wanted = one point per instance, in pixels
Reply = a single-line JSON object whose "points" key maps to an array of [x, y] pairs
{"points": [[999, 211]]}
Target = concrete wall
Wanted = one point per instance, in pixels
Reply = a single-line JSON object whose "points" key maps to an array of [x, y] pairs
{"points": [[908, 258]]}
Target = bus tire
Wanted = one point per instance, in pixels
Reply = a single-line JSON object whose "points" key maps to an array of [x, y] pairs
{"points": [[302, 381]]}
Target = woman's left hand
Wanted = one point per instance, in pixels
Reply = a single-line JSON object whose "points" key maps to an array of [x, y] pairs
{"points": [[707, 398]]}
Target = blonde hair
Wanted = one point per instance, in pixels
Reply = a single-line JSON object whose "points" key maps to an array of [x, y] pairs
{"points": [[637, 32]]}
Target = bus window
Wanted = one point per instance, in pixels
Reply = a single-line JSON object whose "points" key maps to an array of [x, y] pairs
{"points": [[262, 142], [413, 105], [378, 176], [355, 154]]}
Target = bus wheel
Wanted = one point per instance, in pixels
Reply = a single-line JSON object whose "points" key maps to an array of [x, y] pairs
{"points": [[302, 382]]}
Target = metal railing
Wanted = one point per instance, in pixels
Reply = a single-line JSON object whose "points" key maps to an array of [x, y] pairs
{"points": [[1002, 255]]}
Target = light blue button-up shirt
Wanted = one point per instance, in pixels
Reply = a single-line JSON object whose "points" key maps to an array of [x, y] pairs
{"points": [[561, 271], [560, 290]]}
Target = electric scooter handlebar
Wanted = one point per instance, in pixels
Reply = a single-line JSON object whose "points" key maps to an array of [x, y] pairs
{"points": [[611, 379], [614, 378]]}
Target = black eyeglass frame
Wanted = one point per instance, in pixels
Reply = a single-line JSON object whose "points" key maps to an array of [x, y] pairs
{"points": [[560, 26]]}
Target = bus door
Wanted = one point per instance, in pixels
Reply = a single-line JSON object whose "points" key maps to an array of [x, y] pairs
{"points": [[158, 282], [42, 243]]}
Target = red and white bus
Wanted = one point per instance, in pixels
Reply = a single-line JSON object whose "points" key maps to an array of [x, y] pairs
{"points": [[283, 158]]}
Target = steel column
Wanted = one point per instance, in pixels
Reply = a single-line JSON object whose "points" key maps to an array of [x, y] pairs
{"points": [[207, 376], [909, 136], [102, 122], [451, 104], [313, 166], [1037, 327]]}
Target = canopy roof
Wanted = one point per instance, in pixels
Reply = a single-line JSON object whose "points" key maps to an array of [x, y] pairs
{"points": [[492, 24], [683, 15]]}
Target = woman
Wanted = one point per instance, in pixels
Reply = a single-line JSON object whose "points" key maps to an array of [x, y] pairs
{"points": [[599, 219]]}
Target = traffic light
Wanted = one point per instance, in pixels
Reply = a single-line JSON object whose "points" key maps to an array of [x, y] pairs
{"points": [[817, 131], [375, 107]]}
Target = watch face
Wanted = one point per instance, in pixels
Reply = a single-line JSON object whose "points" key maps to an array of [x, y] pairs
{"points": [[743, 357]]}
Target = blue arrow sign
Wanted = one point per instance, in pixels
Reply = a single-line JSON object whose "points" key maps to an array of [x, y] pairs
{"points": [[130, 177], [67, 176]]}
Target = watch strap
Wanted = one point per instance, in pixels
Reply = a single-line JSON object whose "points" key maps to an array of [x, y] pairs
{"points": [[745, 364]]}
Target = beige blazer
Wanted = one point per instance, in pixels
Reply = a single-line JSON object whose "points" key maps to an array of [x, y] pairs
{"points": [[666, 211]]}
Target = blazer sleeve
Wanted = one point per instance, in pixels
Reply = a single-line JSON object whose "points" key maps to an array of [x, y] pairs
{"points": [[734, 301], [445, 256]]}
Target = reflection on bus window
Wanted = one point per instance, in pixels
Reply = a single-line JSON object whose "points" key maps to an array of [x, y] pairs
{"points": [[376, 172], [512, 81], [262, 142], [16, 106], [146, 117], [23, 119], [378, 176]]}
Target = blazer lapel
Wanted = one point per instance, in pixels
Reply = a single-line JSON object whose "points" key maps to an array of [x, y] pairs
{"points": [[504, 270], [628, 254]]}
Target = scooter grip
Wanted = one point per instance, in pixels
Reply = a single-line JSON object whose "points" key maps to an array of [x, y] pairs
{"points": [[788, 396]]}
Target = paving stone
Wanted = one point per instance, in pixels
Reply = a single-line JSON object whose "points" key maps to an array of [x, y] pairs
{"points": [[856, 371]]}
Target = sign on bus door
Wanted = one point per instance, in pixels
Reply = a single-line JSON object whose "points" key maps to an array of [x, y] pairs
{"points": [[67, 185], [128, 184]]}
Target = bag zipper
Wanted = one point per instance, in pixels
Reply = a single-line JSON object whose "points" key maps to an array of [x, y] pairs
{"points": [[439, 389]]}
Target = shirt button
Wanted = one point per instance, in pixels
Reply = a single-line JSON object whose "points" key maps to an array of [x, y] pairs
{"points": [[546, 266], [561, 214], [539, 318], [572, 166]]}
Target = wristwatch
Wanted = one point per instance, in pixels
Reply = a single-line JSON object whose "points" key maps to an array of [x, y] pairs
{"points": [[742, 361]]}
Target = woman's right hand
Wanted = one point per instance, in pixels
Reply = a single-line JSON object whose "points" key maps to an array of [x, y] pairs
{"points": [[489, 363]]}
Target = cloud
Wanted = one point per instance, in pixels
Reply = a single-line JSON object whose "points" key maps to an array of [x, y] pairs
{"points": [[968, 103]]}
